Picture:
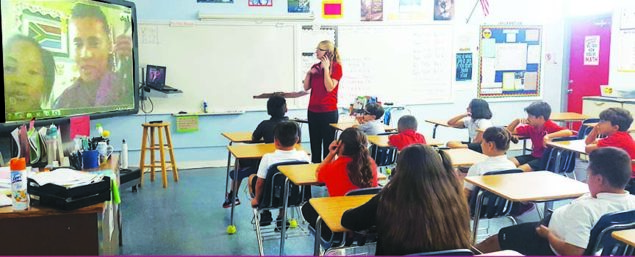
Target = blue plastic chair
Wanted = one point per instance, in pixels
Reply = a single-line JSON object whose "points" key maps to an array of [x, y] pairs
{"points": [[601, 234], [567, 161]]}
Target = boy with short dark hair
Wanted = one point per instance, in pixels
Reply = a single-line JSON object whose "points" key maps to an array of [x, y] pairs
{"points": [[276, 108], [540, 129], [369, 123], [285, 137], [570, 226], [407, 127], [614, 123]]}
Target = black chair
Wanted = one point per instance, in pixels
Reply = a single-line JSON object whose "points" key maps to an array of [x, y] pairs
{"points": [[567, 158], [585, 129], [492, 206], [601, 234], [453, 252], [272, 198]]}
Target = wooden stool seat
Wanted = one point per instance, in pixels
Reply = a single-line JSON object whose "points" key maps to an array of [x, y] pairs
{"points": [[152, 146]]}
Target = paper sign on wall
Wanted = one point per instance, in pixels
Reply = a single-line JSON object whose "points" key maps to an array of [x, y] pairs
{"points": [[463, 66], [592, 50], [332, 9], [187, 123]]}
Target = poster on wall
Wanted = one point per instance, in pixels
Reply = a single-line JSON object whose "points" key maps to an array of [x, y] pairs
{"points": [[463, 66], [298, 6], [372, 10], [332, 9], [260, 2], [509, 62], [592, 50], [443, 10], [216, 1]]}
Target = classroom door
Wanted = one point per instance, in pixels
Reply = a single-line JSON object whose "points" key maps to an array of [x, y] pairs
{"points": [[589, 58]]}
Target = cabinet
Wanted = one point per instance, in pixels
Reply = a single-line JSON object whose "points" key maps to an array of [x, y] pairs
{"points": [[593, 105]]}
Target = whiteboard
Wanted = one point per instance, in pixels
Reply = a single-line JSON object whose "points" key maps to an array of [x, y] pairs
{"points": [[404, 64], [222, 63]]}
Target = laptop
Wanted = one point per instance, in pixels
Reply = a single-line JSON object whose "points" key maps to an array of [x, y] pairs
{"points": [[155, 78]]}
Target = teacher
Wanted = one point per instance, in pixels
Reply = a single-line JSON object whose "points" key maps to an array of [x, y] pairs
{"points": [[323, 79]]}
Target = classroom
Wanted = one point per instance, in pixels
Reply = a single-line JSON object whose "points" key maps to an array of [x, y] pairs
{"points": [[370, 127]]}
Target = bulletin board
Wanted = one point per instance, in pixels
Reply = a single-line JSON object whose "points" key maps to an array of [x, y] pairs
{"points": [[509, 61]]}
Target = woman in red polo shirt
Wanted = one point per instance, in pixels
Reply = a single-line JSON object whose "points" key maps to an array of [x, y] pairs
{"points": [[323, 80]]}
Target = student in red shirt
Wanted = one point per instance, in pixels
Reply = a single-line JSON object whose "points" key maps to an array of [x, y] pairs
{"points": [[323, 81], [353, 168], [614, 123], [540, 129], [407, 127]]}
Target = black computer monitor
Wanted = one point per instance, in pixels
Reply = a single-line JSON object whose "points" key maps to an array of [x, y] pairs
{"points": [[155, 76]]}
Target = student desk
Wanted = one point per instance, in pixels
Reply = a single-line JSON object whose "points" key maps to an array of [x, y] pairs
{"points": [[92, 230], [330, 210], [537, 186], [249, 151], [627, 237], [568, 117], [344, 125], [437, 123], [238, 137], [462, 157], [382, 141]]}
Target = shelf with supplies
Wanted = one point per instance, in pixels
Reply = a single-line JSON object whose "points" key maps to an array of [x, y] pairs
{"points": [[162, 93]]}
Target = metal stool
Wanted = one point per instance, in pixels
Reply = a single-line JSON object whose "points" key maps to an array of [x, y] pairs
{"points": [[161, 147]]}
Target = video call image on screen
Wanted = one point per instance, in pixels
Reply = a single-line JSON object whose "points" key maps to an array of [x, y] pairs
{"points": [[64, 58], [155, 76]]}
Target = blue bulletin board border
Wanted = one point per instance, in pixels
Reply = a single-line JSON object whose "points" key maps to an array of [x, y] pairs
{"points": [[499, 34]]}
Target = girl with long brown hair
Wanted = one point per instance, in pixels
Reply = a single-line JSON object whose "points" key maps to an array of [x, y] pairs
{"points": [[421, 209], [352, 169]]}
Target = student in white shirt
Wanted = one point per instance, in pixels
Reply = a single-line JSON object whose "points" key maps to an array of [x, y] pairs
{"points": [[570, 226], [285, 138], [495, 143], [476, 118], [370, 123]]}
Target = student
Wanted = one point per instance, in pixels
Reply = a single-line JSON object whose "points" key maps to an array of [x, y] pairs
{"points": [[570, 226], [476, 118], [323, 81], [29, 75], [285, 138], [494, 144], [98, 83], [276, 108], [352, 169], [614, 123], [540, 129], [369, 123], [421, 209], [407, 127]]}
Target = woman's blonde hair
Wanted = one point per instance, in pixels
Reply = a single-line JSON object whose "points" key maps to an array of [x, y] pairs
{"points": [[330, 48]]}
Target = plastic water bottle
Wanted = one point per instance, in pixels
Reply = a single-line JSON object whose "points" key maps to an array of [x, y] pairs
{"points": [[51, 144], [18, 184], [124, 155], [205, 106], [100, 129]]}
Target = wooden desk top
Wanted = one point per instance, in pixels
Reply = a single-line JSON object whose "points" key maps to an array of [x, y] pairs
{"points": [[568, 116], [464, 156], [304, 174], [254, 151], [625, 236], [382, 140], [573, 145], [443, 123], [36, 211], [331, 209], [344, 125], [241, 137], [537, 186]]}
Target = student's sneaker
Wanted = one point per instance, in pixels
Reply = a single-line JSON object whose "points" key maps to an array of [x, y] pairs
{"points": [[265, 218], [523, 208], [279, 225], [228, 203]]}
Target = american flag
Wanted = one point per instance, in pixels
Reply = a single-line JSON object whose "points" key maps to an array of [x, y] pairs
{"points": [[485, 6]]}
